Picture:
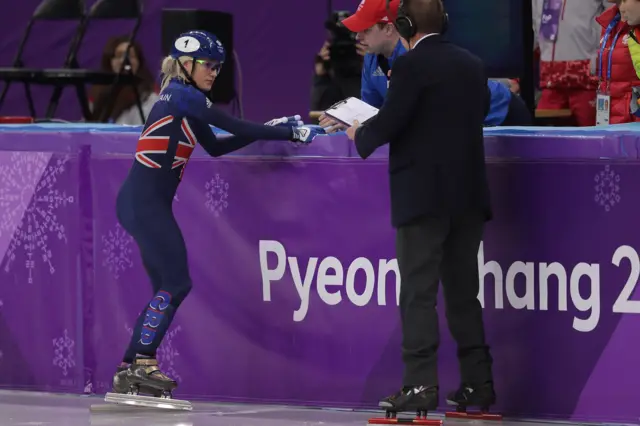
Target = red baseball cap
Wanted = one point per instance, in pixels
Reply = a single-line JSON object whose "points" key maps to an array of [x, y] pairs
{"points": [[369, 13]]}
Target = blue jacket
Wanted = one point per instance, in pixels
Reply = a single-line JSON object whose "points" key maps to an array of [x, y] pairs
{"points": [[179, 121], [374, 88]]}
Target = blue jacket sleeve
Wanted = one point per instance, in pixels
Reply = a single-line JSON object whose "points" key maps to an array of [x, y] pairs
{"points": [[368, 92], [217, 147], [198, 106]]}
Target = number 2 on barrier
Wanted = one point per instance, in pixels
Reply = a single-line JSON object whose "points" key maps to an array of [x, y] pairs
{"points": [[622, 304]]}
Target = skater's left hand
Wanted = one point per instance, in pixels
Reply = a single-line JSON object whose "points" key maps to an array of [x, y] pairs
{"points": [[292, 121]]}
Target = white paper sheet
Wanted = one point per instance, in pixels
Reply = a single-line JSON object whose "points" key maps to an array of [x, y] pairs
{"points": [[350, 110]]}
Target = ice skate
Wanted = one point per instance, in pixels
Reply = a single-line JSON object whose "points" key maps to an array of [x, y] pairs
{"points": [[466, 396], [143, 384], [121, 385], [418, 399]]}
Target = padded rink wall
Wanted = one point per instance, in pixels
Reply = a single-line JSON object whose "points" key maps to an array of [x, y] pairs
{"points": [[295, 279]]}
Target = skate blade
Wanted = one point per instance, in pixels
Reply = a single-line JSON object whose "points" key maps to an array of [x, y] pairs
{"points": [[148, 401], [472, 416], [405, 421]]}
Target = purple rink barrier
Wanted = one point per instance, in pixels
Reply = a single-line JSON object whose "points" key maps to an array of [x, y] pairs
{"points": [[295, 279]]}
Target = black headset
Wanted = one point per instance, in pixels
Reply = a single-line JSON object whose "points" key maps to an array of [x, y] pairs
{"points": [[404, 24]]}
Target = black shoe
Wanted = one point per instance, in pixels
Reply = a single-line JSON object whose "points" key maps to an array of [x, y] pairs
{"points": [[412, 398], [482, 397], [120, 383], [144, 377], [144, 374]]}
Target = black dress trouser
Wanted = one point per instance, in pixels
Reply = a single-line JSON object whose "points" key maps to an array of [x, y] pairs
{"points": [[430, 250]]}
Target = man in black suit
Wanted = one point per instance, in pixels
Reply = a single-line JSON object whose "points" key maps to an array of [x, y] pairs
{"points": [[432, 119]]}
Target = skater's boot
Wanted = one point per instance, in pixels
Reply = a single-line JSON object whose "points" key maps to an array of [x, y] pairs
{"points": [[121, 384], [143, 384], [479, 396], [144, 374], [482, 397], [419, 399]]}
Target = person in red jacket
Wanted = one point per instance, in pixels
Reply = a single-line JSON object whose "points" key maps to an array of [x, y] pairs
{"points": [[630, 12], [615, 70], [567, 36]]}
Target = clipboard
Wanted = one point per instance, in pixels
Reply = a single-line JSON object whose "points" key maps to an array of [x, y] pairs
{"points": [[351, 109]]}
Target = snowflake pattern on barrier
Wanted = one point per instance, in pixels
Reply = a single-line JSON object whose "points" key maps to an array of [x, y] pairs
{"points": [[167, 353], [63, 348], [217, 195], [117, 249], [607, 188], [23, 191]]}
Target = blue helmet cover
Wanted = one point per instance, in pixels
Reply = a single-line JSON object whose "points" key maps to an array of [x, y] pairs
{"points": [[199, 45]]}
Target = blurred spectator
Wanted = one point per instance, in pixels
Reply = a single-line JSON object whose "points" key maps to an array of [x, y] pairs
{"points": [[512, 84], [337, 66], [125, 109], [567, 35], [630, 13], [615, 41]]}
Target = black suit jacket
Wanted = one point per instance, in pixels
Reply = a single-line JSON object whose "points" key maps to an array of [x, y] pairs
{"points": [[432, 119]]}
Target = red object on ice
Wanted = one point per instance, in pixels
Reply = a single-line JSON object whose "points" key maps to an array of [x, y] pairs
{"points": [[477, 415], [406, 421], [15, 120]]}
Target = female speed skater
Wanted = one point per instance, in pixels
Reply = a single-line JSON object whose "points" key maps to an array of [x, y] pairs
{"points": [[178, 121]]}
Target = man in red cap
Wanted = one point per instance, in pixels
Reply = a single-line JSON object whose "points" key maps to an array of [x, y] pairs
{"points": [[373, 23], [382, 42], [379, 37]]}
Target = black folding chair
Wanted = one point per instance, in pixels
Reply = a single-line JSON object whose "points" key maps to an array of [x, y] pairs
{"points": [[71, 74], [48, 10]]}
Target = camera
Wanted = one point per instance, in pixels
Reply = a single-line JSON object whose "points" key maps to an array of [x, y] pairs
{"points": [[344, 58]]}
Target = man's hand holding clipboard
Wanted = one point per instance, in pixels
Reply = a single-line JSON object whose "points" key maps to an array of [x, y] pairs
{"points": [[351, 131], [342, 114]]}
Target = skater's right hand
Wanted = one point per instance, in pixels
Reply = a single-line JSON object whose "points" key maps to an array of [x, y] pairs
{"points": [[306, 134]]}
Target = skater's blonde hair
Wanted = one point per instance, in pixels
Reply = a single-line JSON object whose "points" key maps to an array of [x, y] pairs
{"points": [[170, 69]]}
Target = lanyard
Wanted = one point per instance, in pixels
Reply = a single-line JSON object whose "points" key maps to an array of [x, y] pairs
{"points": [[613, 45]]}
